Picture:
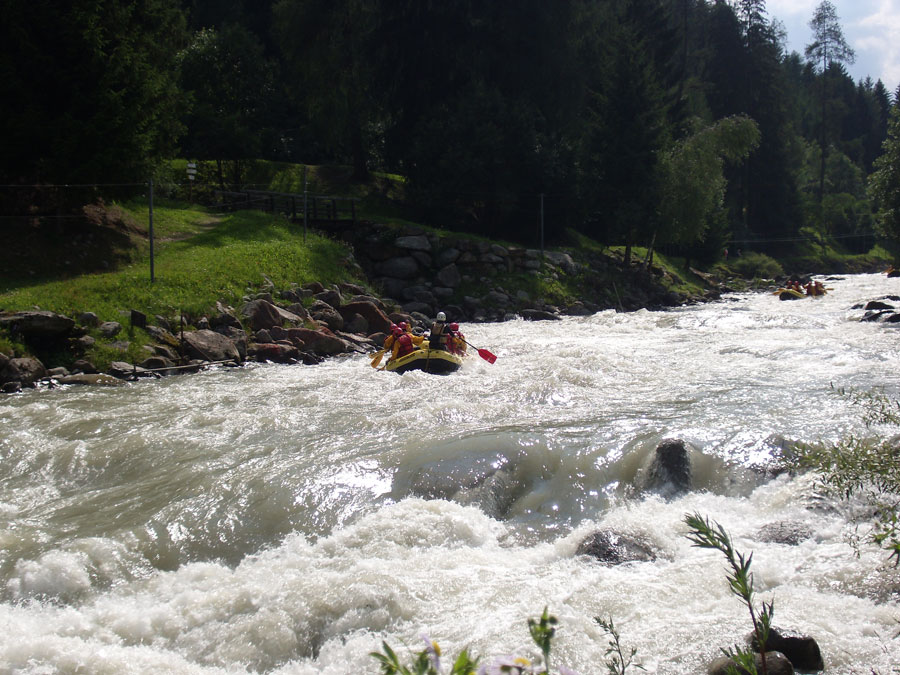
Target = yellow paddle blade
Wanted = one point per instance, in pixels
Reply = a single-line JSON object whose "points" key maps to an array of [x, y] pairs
{"points": [[376, 359]]}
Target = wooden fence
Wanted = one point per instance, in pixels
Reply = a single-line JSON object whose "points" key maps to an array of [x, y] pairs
{"points": [[319, 208]]}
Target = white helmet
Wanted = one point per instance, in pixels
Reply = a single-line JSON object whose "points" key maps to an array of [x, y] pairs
{"points": [[441, 316]]}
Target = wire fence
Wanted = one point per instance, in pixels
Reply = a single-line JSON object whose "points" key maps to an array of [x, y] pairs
{"points": [[57, 202]]}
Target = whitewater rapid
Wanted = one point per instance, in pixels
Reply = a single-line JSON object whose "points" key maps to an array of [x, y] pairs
{"points": [[287, 519]]}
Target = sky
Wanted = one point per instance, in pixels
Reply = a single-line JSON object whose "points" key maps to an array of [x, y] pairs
{"points": [[870, 27]]}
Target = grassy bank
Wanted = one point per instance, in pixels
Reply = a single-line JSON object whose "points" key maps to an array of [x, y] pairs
{"points": [[200, 257]]}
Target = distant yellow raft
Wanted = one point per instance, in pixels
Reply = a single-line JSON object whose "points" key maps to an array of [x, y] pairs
{"points": [[791, 294], [436, 361]]}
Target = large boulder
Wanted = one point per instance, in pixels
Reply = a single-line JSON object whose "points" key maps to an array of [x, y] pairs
{"points": [[38, 324], [276, 352], [669, 472], [414, 243], [374, 316], [615, 548], [563, 260], [322, 311], [164, 337], [404, 267], [210, 346], [318, 342], [26, 371], [263, 314], [776, 664], [330, 297], [801, 650], [110, 329], [224, 316], [449, 276], [238, 338]]}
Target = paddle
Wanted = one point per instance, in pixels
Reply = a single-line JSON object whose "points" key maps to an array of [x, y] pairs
{"points": [[483, 353], [376, 358]]}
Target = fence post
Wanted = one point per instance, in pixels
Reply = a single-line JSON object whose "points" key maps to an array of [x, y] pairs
{"points": [[152, 277], [305, 204]]}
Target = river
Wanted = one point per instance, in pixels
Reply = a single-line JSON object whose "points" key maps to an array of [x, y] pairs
{"points": [[287, 519]]}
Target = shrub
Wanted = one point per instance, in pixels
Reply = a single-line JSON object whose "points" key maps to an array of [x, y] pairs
{"points": [[866, 467], [757, 266]]}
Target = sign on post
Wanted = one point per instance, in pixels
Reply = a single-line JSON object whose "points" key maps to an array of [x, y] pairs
{"points": [[191, 170]]}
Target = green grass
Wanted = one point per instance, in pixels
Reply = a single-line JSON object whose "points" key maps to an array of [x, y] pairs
{"points": [[172, 219], [192, 274]]}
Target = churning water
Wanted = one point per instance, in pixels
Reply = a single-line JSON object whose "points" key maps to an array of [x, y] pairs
{"points": [[288, 518]]}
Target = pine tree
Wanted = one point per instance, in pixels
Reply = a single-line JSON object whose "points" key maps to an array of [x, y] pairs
{"points": [[827, 49]]}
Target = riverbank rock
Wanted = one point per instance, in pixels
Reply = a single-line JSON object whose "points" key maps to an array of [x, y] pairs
{"points": [[776, 664], [26, 371], [318, 342], [801, 650], [109, 329], [669, 472], [323, 312], [209, 345], [263, 314], [614, 548], [127, 371], [92, 380], [37, 324], [275, 352], [84, 366], [376, 319]]}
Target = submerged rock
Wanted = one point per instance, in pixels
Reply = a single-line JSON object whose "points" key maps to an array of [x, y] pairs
{"points": [[670, 472], [614, 548], [784, 532]]}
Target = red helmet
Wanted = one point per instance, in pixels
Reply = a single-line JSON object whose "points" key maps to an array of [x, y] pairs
{"points": [[404, 326], [396, 330], [454, 326]]}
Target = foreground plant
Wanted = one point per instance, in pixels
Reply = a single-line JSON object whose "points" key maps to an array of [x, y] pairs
{"points": [[866, 467], [616, 663], [428, 661], [712, 535]]}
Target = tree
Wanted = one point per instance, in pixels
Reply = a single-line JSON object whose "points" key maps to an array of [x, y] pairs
{"points": [[231, 85], [884, 184], [88, 90], [694, 184], [627, 127], [827, 48], [88, 96], [746, 77], [327, 46]]}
